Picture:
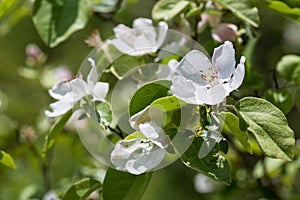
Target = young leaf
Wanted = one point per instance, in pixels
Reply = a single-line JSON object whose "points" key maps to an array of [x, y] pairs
{"points": [[7, 160], [282, 99], [232, 122], [81, 189], [105, 113], [213, 164], [168, 9], [289, 67], [120, 185], [54, 131], [243, 9], [145, 95], [55, 21], [167, 104], [269, 126]]}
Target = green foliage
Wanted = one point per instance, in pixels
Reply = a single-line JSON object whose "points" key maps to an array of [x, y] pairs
{"points": [[103, 6], [168, 9], [55, 21], [213, 164], [120, 185], [147, 94], [284, 9], [55, 131], [269, 126], [105, 114], [289, 67], [243, 9], [7, 160], [281, 99], [232, 124], [82, 189]]}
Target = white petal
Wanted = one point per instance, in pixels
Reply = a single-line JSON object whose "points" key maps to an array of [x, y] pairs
{"points": [[61, 106], [92, 77], [211, 96], [224, 58], [238, 75], [155, 133], [100, 91], [79, 89], [60, 89], [191, 65], [136, 155], [122, 46], [140, 117], [144, 44], [184, 89], [146, 24], [162, 32]]}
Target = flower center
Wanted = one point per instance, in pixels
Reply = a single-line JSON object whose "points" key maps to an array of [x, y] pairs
{"points": [[210, 75]]}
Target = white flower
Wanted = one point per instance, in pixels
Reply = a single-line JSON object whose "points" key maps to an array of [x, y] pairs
{"points": [[50, 196], [201, 81], [141, 155], [136, 155], [143, 38], [67, 93], [167, 72]]}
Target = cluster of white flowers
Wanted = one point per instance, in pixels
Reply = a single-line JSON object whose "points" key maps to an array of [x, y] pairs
{"points": [[195, 80]]}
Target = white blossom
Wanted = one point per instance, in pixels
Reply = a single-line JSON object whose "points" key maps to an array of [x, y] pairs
{"points": [[139, 155], [67, 93], [199, 80], [143, 38]]}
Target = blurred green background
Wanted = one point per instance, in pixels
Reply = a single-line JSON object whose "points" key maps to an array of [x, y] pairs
{"points": [[23, 99]]}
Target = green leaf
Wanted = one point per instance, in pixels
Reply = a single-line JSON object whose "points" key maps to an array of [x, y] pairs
{"points": [[167, 104], [297, 98], [148, 93], [289, 67], [168, 9], [284, 9], [82, 189], [105, 113], [232, 123], [269, 126], [213, 165], [7, 160], [54, 131], [121, 65], [56, 20], [120, 185], [243, 9], [282, 99]]}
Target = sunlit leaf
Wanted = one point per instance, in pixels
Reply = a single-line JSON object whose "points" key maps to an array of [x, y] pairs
{"points": [[105, 113], [168, 9], [55, 21], [232, 122], [282, 99], [55, 131], [167, 104], [82, 189], [269, 126], [243, 9], [7, 160], [289, 67], [213, 164], [145, 95], [120, 185]]}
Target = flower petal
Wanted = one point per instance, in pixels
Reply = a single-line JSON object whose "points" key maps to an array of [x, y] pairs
{"points": [[100, 91], [61, 106], [238, 75], [136, 155], [191, 65], [155, 133], [211, 96], [79, 89], [162, 32], [146, 24], [184, 89], [92, 77], [60, 89], [224, 58]]}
